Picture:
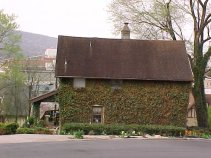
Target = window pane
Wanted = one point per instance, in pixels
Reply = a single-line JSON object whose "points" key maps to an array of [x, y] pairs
{"points": [[79, 83], [116, 84], [97, 110], [96, 119]]}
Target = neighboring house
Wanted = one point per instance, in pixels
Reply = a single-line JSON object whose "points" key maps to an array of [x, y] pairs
{"points": [[46, 108], [123, 80], [191, 117], [207, 88]]}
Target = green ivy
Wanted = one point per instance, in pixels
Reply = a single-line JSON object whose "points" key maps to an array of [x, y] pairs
{"points": [[137, 102]]}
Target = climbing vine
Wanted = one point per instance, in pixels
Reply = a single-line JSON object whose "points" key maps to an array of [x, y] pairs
{"points": [[137, 102]]}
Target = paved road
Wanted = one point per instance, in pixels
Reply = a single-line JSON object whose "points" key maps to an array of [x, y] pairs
{"points": [[119, 148]]}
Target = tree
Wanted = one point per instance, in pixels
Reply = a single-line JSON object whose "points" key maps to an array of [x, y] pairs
{"points": [[9, 39], [14, 102], [152, 19], [202, 24], [170, 19], [12, 80]]}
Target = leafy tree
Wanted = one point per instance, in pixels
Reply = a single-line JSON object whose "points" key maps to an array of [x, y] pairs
{"points": [[9, 39], [15, 101], [12, 80], [170, 19]]}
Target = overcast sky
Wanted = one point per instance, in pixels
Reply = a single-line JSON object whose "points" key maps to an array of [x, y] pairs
{"points": [[86, 18]]}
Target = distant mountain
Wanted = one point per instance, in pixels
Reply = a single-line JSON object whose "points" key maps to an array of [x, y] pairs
{"points": [[36, 44]]}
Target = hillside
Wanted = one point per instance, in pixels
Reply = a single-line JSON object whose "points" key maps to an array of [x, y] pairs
{"points": [[36, 44]]}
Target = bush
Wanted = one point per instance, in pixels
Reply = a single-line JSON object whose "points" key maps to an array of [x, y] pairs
{"points": [[40, 123], [78, 134], [36, 130], [2, 129], [30, 122], [209, 116], [11, 128], [40, 130], [116, 129], [198, 132], [25, 130]]}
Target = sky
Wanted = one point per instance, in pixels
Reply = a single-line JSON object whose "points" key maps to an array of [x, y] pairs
{"points": [[82, 18]]}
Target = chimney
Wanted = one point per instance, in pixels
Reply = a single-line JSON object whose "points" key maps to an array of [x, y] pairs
{"points": [[125, 33]]}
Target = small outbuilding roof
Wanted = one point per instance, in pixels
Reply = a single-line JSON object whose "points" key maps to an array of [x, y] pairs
{"points": [[45, 97], [122, 59]]}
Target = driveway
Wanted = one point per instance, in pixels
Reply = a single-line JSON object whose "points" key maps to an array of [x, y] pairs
{"points": [[109, 148]]}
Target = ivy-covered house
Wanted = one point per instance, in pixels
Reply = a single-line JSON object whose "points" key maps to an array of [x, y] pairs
{"points": [[123, 80]]}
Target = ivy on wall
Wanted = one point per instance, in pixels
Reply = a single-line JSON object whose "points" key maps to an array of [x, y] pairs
{"points": [[137, 102]]}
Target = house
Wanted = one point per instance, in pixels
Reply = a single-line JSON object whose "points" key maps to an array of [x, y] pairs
{"points": [[46, 108], [192, 117], [123, 81], [191, 114]]}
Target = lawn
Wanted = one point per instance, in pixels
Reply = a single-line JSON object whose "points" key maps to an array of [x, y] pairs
{"points": [[209, 116]]}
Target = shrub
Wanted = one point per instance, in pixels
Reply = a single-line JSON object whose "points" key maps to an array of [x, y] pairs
{"points": [[78, 134], [11, 128], [30, 121], [36, 130], [198, 132], [209, 116], [40, 123], [2, 129], [40, 130], [25, 130]]}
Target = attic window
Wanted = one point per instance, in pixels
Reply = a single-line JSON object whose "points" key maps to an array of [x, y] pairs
{"points": [[79, 83], [116, 84]]}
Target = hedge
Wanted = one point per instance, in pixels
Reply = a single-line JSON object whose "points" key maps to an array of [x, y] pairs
{"points": [[35, 130], [116, 129]]}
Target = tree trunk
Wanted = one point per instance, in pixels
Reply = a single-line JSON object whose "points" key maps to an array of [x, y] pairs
{"points": [[200, 100], [16, 105], [29, 101]]}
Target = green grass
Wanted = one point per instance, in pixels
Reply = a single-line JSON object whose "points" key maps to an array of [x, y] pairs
{"points": [[209, 116]]}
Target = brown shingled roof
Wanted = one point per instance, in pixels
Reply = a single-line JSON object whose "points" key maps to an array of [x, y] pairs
{"points": [[122, 59]]}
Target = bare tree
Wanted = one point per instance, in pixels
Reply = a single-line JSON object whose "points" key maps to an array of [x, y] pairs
{"points": [[171, 19], [152, 19], [202, 23]]}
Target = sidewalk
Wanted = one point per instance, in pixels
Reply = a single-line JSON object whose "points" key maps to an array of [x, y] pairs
{"points": [[26, 138]]}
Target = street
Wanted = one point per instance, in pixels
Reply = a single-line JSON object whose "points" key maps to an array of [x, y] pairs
{"points": [[117, 148]]}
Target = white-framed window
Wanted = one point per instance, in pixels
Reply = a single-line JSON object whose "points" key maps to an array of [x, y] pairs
{"points": [[97, 114], [116, 84], [79, 83], [192, 113]]}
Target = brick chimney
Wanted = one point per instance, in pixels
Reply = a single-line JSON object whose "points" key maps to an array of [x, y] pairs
{"points": [[125, 33]]}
